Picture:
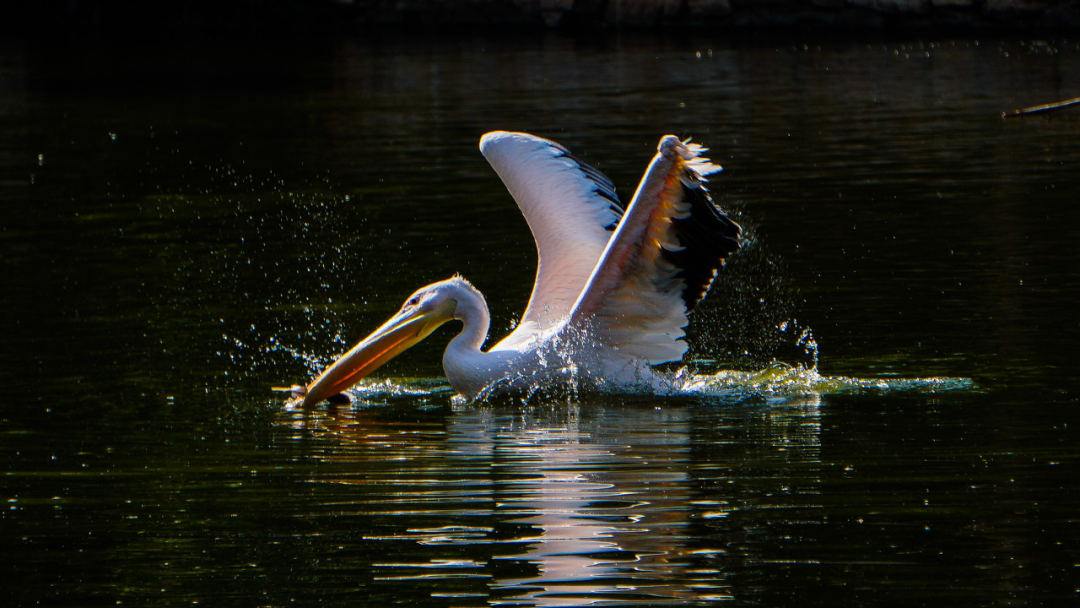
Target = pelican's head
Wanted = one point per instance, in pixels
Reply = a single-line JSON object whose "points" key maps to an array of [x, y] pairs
{"points": [[421, 314]]}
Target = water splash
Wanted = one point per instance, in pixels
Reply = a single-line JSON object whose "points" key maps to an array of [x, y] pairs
{"points": [[573, 366], [777, 383], [804, 340], [781, 382]]}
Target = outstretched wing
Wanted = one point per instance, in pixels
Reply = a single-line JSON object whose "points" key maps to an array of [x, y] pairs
{"points": [[571, 209], [661, 260]]}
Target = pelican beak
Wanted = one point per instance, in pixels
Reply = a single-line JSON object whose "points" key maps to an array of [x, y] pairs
{"points": [[409, 326]]}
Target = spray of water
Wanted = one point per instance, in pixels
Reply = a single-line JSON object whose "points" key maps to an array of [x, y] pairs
{"points": [[747, 345]]}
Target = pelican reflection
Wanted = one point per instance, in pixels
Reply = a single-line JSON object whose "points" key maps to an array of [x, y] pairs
{"points": [[562, 505]]}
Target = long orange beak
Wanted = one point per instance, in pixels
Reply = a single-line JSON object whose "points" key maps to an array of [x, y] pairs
{"points": [[405, 329]]}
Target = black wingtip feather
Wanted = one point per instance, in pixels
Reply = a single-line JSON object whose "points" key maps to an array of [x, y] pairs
{"points": [[605, 188], [707, 237]]}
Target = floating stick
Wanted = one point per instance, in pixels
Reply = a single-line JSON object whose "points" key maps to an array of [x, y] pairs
{"points": [[1049, 107]]}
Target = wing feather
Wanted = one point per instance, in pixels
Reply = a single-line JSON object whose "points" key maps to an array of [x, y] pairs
{"points": [[661, 260], [571, 209]]}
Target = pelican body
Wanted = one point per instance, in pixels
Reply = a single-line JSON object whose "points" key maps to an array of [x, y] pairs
{"points": [[614, 282]]}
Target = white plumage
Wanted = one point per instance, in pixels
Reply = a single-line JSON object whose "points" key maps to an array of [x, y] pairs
{"points": [[570, 212]]}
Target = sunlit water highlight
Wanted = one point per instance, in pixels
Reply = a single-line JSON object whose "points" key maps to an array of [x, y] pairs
{"points": [[777, 383]]}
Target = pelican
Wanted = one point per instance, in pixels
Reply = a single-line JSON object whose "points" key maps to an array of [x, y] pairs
{"points": [[614, 283]]}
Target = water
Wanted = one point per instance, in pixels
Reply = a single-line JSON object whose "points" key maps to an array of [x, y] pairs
{"points": [[190, 224]]}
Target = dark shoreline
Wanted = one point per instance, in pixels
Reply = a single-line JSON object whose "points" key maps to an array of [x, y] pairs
{"points": [[847, 18]]}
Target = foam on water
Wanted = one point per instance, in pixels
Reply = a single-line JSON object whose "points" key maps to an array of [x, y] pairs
{"points": [[780, 381], [776, 383]]}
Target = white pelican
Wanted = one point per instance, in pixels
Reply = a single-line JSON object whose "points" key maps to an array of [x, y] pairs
{"points": [[613, 284]]}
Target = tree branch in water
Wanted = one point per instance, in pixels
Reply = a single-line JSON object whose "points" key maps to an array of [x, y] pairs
{"points": [[1049, 107]]}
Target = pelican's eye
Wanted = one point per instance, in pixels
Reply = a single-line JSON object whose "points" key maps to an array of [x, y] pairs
{"points": [[413, 301]]}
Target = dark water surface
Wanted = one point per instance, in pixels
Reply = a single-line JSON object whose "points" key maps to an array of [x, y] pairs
{"points": [[188, 225]]}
